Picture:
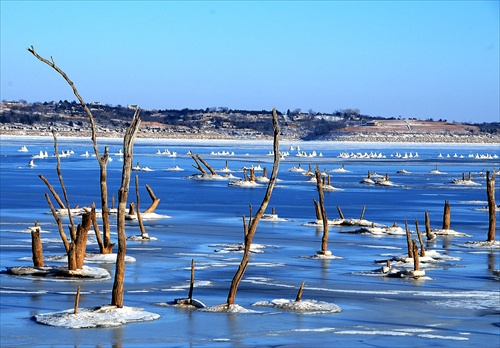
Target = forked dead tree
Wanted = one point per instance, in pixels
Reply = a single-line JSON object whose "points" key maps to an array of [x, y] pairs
{"points": [[251, 228], [102, 160], [128, 145]]}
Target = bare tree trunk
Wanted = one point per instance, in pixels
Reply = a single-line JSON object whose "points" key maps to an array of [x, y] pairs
{"points": [[428, 233], [198, 165], [252, 226], [324, 218], [317, 210], [416, 260], [446, 216], [36, 247], [80, 243], [54, 194], [490, 192], [408, 240], [128, 146], [422, 249], [299, 294], [155, 200], [77, 301], [213, 172], [191, 283], [362, 213], [341, 215]]}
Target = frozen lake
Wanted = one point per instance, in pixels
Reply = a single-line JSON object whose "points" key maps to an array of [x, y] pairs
{"points": [[457, 304]]}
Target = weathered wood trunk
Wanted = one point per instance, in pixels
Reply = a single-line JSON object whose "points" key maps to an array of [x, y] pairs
{"points": [[341, 215], [324, 217], [155, 200], [363, 212], [408, 240], [128, 146], [416, 259], [490, 192], [428, 233], [446, 216], [80, 243], [317, 210], [191, 283], [252, 225], [212, 171], [77, 301], [36, 247], [422, 249], [299, 293]]}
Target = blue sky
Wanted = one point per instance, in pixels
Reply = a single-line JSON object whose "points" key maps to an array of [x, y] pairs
{"points": [[423, 59]]}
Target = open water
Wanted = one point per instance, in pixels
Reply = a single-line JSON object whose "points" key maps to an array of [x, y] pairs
{"points": [[457, 304]]}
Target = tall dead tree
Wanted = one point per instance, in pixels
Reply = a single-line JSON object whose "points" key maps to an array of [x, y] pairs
{"points": [[251, 228], [324, 218], [128, 146], [490, 192], [102, 160], [446, 215]]}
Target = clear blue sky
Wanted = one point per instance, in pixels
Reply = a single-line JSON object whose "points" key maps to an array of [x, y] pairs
{"points": [[424, 59]]}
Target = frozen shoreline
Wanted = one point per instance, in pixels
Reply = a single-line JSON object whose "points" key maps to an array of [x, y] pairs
{"points": [[344, 137]]}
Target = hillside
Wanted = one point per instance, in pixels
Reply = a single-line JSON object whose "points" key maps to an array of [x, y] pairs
{"points": [[68, 118]]}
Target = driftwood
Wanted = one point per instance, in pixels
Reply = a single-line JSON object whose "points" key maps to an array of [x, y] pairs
{"points": [[362, 213], [251, 228], [36, 246], [198, 165], [490, 192]]}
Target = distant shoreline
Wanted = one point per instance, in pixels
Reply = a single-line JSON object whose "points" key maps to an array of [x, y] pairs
{"points": [[343, 137]]}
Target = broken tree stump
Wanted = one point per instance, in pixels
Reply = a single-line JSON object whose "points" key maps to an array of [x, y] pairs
{"points": [[340, 213], [408, 240], [36, 246], [490, 192], [77, 301], [446, 215], [422, 249], [299, 293], [155, 200]]}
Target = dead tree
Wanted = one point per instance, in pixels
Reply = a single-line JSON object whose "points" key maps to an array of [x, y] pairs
{"points": [[317, 210], [324, 218], [155, 200], [446, 216], [490, 192], [299, 293], [341, 215], [408, 240], [128, 146], [422, 249], [36, 246], [198, 165], [253, 222], [416, 259], [59, 223], [428, 232], [102, 160]]}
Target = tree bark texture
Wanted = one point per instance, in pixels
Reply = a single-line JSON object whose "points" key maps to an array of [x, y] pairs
{"points": [[324, 217]]}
